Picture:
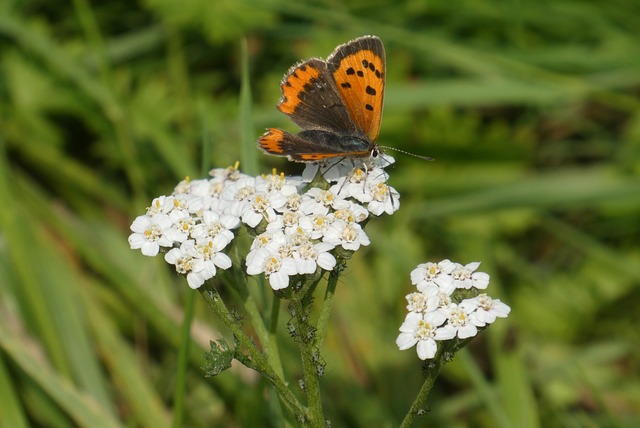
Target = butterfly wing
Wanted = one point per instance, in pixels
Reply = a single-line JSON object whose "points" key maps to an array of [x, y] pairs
{"points": [[311, 99], [358, 69], [312, 145]]}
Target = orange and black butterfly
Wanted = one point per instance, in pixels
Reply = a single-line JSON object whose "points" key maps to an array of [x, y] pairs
{"points": [[337, 103]]}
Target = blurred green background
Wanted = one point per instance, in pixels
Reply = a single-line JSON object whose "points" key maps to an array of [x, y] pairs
{"points": [[530, 108]]}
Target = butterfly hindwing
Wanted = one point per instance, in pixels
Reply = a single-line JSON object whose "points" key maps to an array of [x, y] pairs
{"points": [[358, 69], [312, 145], [311, 99]]}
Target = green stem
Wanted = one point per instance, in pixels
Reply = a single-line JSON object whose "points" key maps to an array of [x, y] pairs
{"points": [[432, 372], [274, 354], [266, 337], [274, 357], [323, 319], [306, 337], [213, 300], [183, 362]]}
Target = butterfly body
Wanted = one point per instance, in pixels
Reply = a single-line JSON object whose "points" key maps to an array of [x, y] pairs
{"points": [[337, 102]]}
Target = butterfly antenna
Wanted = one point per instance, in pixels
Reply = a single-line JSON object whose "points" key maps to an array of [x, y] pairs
{"points": [[427, 158]]}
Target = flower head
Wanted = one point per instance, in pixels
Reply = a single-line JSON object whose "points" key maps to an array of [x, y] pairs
{"points": [[434, 314], [301, 227]]}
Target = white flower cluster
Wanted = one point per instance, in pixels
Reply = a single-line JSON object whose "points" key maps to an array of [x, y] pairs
{"points": [[433, 314], [301, 227]]}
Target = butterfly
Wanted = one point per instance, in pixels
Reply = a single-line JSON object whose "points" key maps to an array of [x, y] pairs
{"points": [[337, 103]]}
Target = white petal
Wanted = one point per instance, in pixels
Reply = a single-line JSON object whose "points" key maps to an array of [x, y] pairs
{"points": [[304, 266], [310, 172], [140, 224], [445, 333], [222, 261], [435, 318], [279, 280], [289, 267], [487, 317], [326, 261], [251, 218], [480, 280], [173, 255], [194, 280], [376, 208], [136, 240], [230, 221], [426, 349], [501, 309], [467, 331], [364, 239], [406, 341], [472, 266], [410, 323], [150, 249]]}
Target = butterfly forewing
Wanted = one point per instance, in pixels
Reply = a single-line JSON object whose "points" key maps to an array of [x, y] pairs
{"points": [[358, 69], [311, 99]]}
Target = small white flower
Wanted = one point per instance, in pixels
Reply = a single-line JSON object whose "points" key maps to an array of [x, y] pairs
{"points": [[421, 330], [465, 277], [230, 173], [213, 225], [423, 302], [262, 205], [198, 196], [180, 201], [221, 178], [297, 236], [160, 205], [197, 261], [182, 187], [200, 188], [276, 183], [288, 221], [462, 322], [207, 258], [348, 235], [273, 238], [309, 256], [293, 202], [237, 194], [353, 185], [182, 257], [385, 199], [319, 201], [182, 225], [427, 274], [487, 309], [316, 224], [351, 213], [149, 234], [273, 266]]}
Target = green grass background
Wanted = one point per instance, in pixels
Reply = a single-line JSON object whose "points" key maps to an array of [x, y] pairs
{"points": [[530, 108]]}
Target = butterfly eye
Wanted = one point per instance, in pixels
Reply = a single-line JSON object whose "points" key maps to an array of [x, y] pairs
{"points": [[375, 152]]}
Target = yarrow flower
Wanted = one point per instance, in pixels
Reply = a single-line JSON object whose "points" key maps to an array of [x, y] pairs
{"points": [[441, 310], [297, 228]]}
